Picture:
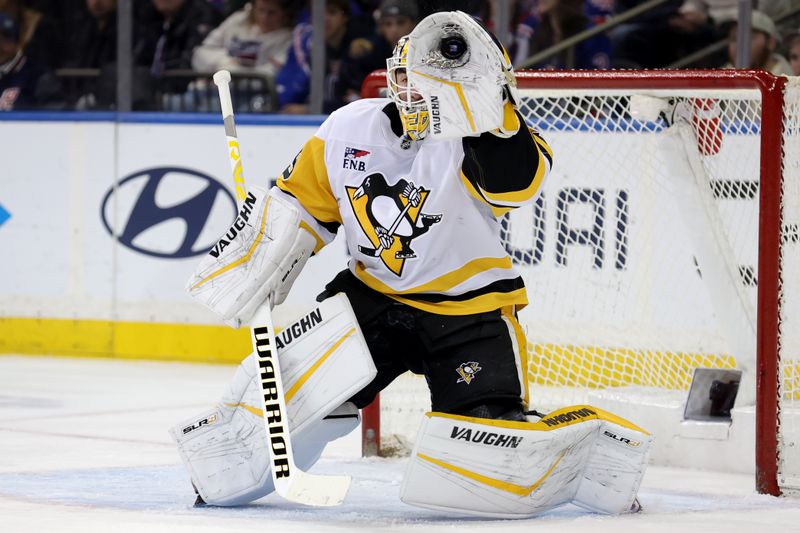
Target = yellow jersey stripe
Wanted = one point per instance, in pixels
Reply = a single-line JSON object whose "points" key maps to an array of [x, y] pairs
{"points": [[308, 182], [519, 197], [542, 144], [484, 303], [511, 121], [245, 258], [513, 488], [444, 282], [476, 193], [522, 346]]}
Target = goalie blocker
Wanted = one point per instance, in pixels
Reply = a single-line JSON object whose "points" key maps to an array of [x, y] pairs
{"points": [[257, 259]]}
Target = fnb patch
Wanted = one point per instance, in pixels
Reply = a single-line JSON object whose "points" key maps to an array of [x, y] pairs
{"points": [[354, 159]]}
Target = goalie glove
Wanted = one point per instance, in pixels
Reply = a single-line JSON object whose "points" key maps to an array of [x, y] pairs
{"points": [[465, 76], [259, 257]]}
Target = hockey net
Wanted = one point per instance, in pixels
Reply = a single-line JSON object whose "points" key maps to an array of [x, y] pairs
{"points": [[665, 240]]}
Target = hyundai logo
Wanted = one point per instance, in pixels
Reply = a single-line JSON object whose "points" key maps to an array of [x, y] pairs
{"points": [[163, 212]]}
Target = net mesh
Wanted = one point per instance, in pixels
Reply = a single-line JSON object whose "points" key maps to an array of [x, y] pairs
{"points": [[640, 256], [612, 253]]}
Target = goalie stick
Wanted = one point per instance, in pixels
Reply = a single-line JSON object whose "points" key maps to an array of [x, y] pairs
{"points": [[290, 482]]}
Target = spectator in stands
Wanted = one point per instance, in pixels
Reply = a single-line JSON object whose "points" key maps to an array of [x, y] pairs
{"points": [[23, 83], [294, 80], [660, 36], [255, 38], [718, 11], [763, 45], [93, 43], [396, 18], [545, 23], [793, 52], [165, 38], [39, 35], [169, 33]]}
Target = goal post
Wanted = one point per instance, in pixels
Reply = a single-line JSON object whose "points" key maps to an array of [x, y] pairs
{"points": [[665, 240]]}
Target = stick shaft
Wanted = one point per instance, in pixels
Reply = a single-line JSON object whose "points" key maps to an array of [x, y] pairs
{"points": [[290, 482], [222, 80]]}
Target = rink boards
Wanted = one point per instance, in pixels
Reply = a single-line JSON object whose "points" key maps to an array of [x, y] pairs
{"points": [[107, 220]]}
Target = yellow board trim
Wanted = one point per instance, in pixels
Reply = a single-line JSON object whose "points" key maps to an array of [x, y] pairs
{"points": [[459, 91], [241, 260], [519, 490], [124, 340], [299, 383], [548, 364]]}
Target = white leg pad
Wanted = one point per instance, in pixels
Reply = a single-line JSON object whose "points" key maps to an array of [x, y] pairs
{"points": [[615, 469], [325, 361], [228, 459], [506, 469]]}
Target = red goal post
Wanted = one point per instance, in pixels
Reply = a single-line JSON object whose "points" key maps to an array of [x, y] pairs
{"points": [[749, 119]]}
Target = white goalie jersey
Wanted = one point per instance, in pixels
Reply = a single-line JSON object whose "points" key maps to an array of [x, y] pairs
{"points": [[421, 220]]}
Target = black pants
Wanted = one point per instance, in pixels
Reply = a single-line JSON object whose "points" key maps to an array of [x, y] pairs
{"points": [[467, 360]]}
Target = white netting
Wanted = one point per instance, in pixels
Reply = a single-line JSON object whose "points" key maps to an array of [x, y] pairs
{"points": [[624, 290], [640, 257], [789, 320]]}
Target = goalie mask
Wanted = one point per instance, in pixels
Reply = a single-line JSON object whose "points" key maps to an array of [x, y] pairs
{"points": [[452, 76], [412, 106]]}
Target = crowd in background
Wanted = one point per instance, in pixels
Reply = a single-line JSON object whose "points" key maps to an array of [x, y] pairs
{"points": [[61, 54]]}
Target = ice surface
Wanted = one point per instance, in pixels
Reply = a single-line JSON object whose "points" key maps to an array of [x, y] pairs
{"points": [[84, 447]]}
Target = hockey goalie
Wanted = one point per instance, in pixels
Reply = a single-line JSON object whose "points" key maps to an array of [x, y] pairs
{"points": [[417, 183]]}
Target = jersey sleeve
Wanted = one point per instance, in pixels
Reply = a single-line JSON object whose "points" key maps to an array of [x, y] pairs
{"points": [[506, 173], [305, 180]]}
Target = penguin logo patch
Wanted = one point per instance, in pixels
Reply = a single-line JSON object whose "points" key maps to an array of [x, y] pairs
{"points": [[467, 372], [391, 217]]}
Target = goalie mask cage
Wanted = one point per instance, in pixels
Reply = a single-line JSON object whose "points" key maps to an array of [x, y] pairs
{"points": [[665, 239]]}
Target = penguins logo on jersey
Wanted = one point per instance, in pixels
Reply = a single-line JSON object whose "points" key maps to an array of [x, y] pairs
{"points": [[467, 372], [391, 217]]}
